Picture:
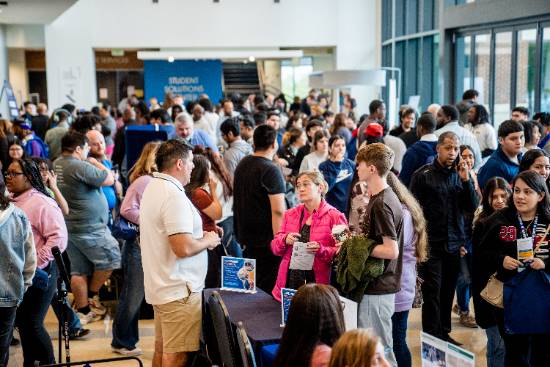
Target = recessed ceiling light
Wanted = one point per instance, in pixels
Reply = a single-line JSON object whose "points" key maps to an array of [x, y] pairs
{"points": [[251, 59], [171, 59]]}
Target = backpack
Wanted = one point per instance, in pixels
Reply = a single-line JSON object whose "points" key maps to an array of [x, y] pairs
{"points": [[43, 148]]}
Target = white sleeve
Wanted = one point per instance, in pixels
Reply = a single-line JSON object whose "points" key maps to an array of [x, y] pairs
{"points": [[177, 215]]}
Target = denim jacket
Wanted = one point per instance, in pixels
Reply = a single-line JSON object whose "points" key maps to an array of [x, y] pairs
{"points": [[18, 260]]}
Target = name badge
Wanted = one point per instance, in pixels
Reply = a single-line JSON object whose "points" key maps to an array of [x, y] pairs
{"points": [[525, 249]]}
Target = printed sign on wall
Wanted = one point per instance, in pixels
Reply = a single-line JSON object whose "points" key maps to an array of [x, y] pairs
{"points": [[185, 77]]}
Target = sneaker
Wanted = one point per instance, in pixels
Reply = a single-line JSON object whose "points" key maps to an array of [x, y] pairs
{"points": [[96, 306], [78, 333], [88, 318], [467, 320], [127, 352], [456, 311]]}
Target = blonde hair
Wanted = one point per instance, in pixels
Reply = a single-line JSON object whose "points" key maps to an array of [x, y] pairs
{"points": [[317, 178], [378, 155], [145, 165], [418, 219], [355, 348]]}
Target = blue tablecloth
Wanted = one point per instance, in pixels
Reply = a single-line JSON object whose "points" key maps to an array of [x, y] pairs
{"points": [[267, 355]]}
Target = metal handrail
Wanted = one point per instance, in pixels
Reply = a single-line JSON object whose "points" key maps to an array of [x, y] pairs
{"points": [[92, 361]]}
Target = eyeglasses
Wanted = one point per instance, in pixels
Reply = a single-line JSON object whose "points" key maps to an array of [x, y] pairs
{"points": [[12, 174]]}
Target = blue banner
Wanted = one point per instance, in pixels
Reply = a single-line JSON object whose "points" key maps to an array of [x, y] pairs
{"points": [[185, 77]]}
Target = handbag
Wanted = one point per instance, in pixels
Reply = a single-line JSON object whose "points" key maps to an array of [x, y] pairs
{"points": [[493, 292], [124, 229]]}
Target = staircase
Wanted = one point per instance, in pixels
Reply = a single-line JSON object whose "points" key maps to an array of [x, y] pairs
{"points": [[240, 78]]}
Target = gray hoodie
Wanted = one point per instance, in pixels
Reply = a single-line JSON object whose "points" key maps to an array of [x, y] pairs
{"points": [[233, 155]]}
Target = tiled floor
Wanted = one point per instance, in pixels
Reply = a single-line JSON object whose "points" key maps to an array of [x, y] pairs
{"points": [[97, 343]]}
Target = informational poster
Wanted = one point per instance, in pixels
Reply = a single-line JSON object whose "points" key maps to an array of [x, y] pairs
{"points": [[187, 78], [71, 84], [238, 274], [439, 353], [286, 298], [12, 102]]}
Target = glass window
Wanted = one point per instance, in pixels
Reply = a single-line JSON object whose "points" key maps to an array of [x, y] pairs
{"points": [[435, 70], [411, 69], [545, 72], [295, 76], [462, 67], [503, 79], [482, 67], [428, 15], [525, 69], [411, 19]]}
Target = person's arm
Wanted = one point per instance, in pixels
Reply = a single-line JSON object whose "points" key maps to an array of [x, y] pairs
{"points": [[184, 245], [388, 249], [129, 208], [468, 199], [110, 179], [58, 196], [29, 266], [278, 244], [51, 226], [407, 166], [277, 203], [214, 209]]}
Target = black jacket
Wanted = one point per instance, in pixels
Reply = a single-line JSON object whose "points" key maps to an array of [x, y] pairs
{"points": [[494, 238], [444, 199]]}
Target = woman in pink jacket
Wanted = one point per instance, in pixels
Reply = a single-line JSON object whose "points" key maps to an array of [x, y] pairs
{"points": [[310, 222]]}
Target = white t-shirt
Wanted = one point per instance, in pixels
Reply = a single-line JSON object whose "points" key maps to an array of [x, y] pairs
{"points": [[312, 161], [166, 210]]}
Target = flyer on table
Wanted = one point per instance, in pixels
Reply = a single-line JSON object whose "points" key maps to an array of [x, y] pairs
{"points": [[439, 353], [238, 274]]}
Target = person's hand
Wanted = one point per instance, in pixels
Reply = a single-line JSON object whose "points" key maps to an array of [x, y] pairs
{"points": [[282, 162], [291, 238], [51, 179], [537, 264], [92, 160], [116, 174], [463, 171], [510, 263], [463, 251], [313, 247], [219, 230], [212, 240]]}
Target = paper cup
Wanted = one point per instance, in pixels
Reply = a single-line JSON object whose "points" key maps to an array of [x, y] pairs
{"points": [[340, 232]]}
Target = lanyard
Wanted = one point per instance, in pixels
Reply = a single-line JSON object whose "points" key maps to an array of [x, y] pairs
{"points": [[533, 230]]}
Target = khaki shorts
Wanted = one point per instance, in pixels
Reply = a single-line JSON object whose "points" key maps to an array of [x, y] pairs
{"points": [[178, 324]]}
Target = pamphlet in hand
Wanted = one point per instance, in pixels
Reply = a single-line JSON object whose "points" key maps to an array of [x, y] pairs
{"points": [[439, 353], [286, 298], [238, 274], [301, 258]]}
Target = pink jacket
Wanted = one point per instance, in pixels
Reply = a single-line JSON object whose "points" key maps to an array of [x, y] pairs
{"points": [[47, 223], [322, 222]]}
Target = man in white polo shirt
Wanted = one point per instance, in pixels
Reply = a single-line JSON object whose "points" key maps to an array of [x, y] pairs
{"points": [[173, 250]]}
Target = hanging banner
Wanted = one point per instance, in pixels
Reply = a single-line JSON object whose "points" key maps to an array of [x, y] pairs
{"points": [[12, 102], [184, 77]]}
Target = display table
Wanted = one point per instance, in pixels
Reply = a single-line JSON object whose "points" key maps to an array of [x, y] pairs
{"points": [[260, 314]]}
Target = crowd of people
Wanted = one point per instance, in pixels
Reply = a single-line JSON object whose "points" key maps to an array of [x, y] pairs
{"points": [[439, 205]]}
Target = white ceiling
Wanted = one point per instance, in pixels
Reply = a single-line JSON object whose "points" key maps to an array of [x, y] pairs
{"points": [[33, 11]]}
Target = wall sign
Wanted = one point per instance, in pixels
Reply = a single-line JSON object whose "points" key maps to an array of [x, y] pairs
{"points": [[185, 77]]}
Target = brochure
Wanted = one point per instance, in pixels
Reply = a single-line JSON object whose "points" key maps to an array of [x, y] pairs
{"points": [[238, 274], [301, 259], [286, 298], [439, 353]]}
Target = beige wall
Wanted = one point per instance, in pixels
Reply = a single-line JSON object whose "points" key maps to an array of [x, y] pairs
{"points": [[18, 74]]}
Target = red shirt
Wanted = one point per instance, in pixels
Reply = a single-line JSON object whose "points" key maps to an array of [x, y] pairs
{"points": [[201, 199]]}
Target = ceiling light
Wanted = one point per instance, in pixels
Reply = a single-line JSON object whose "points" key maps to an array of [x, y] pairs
{"points": [[251, 59], [171, 59]]}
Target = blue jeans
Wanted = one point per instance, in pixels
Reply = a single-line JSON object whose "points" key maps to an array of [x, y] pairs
{"points": [[7, 321], [72, 318], [35, 340], [229, 240], [125, 323], [495, 347], [399, 332], [463, 283]]}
